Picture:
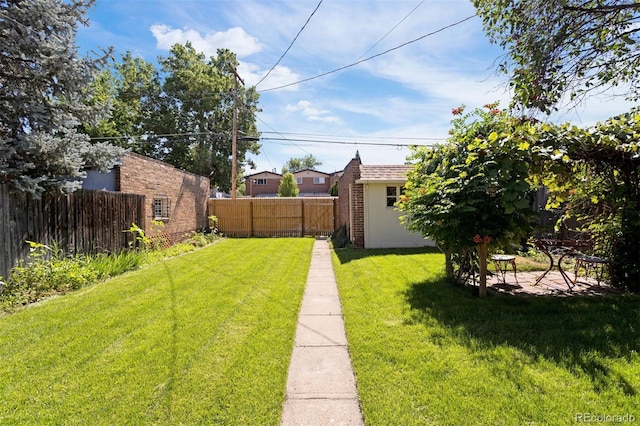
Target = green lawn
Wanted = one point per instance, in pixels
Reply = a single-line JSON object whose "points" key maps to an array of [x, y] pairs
{"points": [[427, 352], [203, 338]]}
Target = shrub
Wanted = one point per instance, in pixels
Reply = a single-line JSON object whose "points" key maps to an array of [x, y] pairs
{"points": [[340, 237], [109, 265], [47, 272]]}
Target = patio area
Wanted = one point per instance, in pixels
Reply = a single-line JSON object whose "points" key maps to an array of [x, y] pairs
{"points": [[551, 285]]}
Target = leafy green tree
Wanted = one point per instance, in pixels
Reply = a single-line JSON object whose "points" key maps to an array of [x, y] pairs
{"points": [[565, 46], [474, 190], [182, 113], [296, 164], [201, 99], [288, 186], [594, 176], [43, 84], [333, 191], [132, 89]]}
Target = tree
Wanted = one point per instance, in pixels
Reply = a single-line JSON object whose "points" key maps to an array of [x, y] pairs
{"points": [[594, 176], [201, 99], [42, 86], [132, 89], [296, 164], [288, 186], [182, 113], [565, 46], [333, 191], [474, 190]]}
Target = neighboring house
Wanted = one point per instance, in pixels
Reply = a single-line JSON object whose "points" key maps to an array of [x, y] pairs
{"points": [[311, 183], [366, 196], [263, 184], [174, 197]]}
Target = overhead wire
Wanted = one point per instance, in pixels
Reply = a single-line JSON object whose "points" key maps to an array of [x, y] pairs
{"points": [[385, 36], [290, 45], [359, 137], [370, 57], [285, 136], [354, 142]]}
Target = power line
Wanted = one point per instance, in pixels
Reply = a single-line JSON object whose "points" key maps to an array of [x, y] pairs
{"points": [[293, 41], [354, 142], [371, 57], [359, 137], [153, 135], [285, 136], [385, 36]]}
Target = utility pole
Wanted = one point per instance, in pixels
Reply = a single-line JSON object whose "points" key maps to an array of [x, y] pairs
{"points": [[234, 133]]}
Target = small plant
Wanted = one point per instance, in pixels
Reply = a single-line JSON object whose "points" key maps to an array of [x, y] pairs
{"points": [[157, 238], [109, 265], [46, 273], [213, 224], [140, 238]]}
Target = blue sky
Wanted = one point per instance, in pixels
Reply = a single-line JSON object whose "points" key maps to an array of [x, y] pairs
{"points": [[399, 98]]}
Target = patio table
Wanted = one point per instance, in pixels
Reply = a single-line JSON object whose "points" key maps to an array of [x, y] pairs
{"points": [[559, 248], [501, 263]]}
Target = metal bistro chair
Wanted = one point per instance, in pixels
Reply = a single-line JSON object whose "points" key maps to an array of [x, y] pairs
{"points": [[585, 260], [599, 266]]}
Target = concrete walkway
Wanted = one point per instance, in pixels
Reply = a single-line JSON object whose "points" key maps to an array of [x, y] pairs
{"points": [[321, 388]]}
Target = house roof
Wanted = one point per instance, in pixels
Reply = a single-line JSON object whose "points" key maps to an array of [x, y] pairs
{"points": [[263, 173], [311, 172], [384, 173]]}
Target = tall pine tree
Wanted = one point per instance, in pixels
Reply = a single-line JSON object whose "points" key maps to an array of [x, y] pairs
{"points": [[43, 83]]}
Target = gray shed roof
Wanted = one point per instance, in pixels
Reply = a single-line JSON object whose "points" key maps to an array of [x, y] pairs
{"points": [[384, 173]]}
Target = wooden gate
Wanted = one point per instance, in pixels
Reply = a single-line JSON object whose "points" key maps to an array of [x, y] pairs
{"points": [[275, 217]]}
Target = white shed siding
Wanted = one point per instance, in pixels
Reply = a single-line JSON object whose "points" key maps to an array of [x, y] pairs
{"points": [[382, 225]]}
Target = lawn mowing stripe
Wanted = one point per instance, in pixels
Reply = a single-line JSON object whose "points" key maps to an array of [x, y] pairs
{"points": [[255, 301], [427, 352]]}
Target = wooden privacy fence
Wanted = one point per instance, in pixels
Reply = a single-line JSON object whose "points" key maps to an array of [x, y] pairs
{"points": [[81, 222], [275, 217]]}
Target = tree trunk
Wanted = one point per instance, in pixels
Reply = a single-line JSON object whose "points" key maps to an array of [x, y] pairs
{"points": [[448, 264], [482, 259]]}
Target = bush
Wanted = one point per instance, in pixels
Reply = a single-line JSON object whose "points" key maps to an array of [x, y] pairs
{"points": [[110, 265], [48, 272], [340, 238]]}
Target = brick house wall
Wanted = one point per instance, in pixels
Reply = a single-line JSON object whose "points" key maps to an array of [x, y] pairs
{"points": [[272, 180], [351, 202], [308, 186], [182, 197]]}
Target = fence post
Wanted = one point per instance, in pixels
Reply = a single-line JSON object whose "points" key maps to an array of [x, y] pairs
{"points": [[302, 214], [251, 218]]}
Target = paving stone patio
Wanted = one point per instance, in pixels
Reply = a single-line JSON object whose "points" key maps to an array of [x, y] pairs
{"points": [[551, 285]]}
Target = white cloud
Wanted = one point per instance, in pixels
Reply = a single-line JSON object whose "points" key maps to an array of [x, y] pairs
{"points": [[235, 39], [280, 76], [313, 114]]}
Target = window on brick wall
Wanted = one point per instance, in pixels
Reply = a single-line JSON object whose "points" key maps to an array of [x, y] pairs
{"points": [[161, 207], [318, 180], [299, 181], [261, 181]]}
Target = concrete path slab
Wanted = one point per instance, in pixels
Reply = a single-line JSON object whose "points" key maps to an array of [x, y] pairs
{"points": [[321, 330], [321, 387]]}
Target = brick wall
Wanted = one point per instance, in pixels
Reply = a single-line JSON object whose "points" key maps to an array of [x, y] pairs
{"points": [[357, 215], [351, 202], [187, 194], [308, 187], [252, 189]]}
